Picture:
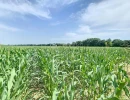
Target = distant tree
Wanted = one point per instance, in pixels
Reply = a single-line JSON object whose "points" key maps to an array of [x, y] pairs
{"points": [[117, 43], [88, 42], [85, 43], [68, 44], [95, 42], [79, 43], [73, 44], [91, 42], [126, 43], [108, 43], [102, 43]]}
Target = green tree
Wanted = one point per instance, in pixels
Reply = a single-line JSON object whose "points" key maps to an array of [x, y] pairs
{"points": [[108, 42], [117, 43]]}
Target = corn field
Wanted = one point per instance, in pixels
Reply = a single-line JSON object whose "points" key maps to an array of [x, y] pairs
{"points": [[64, 73]]}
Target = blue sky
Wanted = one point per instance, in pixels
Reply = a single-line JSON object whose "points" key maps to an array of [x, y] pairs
{"points": [[63, 21]]}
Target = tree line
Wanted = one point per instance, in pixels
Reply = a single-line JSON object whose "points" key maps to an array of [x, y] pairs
{"points": [[99, 42], [89, 42]]}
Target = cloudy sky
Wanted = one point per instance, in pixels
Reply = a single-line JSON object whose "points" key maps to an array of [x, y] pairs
{"points": [[63, 21]]}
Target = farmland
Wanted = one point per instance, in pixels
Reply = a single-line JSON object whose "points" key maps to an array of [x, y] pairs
{"points": [[64, 73]]}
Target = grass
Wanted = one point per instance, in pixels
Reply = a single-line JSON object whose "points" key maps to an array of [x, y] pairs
{"points": [[64, 73]]}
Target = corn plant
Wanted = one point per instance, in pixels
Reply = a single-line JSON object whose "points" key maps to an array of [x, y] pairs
{"points": [[64, 73]]}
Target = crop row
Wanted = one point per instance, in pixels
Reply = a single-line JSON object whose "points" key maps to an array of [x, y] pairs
{"points": [[64, 73]]}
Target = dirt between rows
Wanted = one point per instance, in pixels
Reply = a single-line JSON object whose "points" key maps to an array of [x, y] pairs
{"points": [[37, 94], [127, 69]]}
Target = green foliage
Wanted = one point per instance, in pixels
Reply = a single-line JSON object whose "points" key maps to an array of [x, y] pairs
{"points": [[99, 42], [117, 43], [63, 73]]}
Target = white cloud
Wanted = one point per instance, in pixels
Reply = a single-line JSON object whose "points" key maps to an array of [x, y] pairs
{"points": [[69, 1], [8, 28], [108, 12], [54, 3], [83, 29], [70, 34], [23, 7], [80, 33], [106, 19], [39, 8]]}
